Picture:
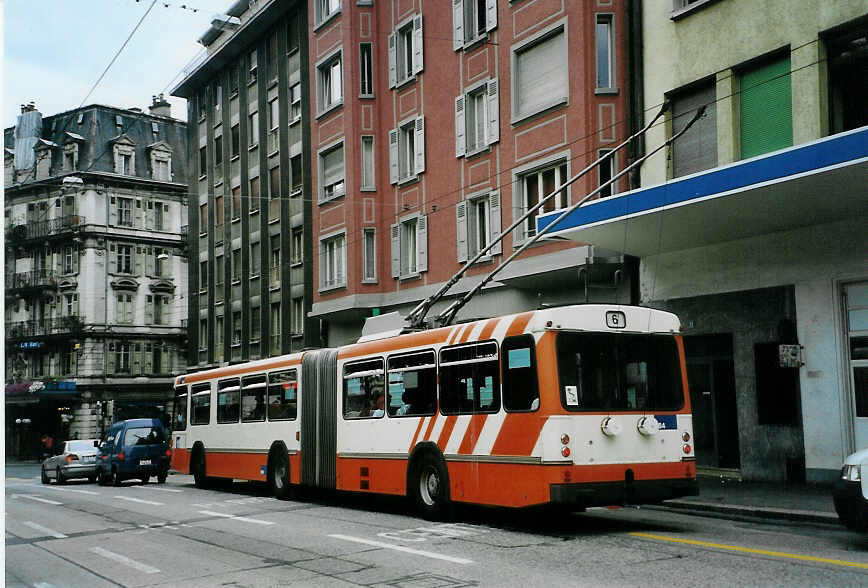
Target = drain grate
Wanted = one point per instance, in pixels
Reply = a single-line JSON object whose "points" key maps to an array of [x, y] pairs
{"points": [[425, 580]]}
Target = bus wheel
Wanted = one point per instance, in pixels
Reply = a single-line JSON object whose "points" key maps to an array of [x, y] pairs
{"points": [[429, 488], [199, 469], [278, 473], [45, 479]]}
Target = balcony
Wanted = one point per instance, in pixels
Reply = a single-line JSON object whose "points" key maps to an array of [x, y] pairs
{"points": [[45, 328], [33, 280], [44, 229]]}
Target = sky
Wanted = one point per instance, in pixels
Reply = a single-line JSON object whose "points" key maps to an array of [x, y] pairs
{"points": [[55, 50]]}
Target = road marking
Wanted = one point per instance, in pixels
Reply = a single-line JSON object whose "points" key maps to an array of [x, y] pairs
{"points": [[46, 530], [124, 560], [155, 488], [237, 518], [29, 497], [140, 501], [401, 548], [56, 489], [837, 562]]}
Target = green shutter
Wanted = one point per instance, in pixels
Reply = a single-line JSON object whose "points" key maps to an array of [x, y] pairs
{"points": [[766, 108]]}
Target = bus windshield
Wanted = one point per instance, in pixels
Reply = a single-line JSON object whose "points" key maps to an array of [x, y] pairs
{"points": [[619, 372]]}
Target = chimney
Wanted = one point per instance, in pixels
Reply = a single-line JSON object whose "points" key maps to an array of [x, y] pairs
{"points": [[27, 133], [160, 106]]}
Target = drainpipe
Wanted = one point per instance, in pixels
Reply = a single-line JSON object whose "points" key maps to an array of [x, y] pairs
{"points": [[635, 87]]}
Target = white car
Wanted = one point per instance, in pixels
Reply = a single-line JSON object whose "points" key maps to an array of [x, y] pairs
{"points": [[851, 491], [74, 459]]}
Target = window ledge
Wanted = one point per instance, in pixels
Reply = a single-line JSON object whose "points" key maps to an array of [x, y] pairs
{"points": [[271, 83], [368, 189], [251, 81], [253, 211], [295, 121], [406, 81], [323, 201], [235, 157], [252, 147], [408, 180], [477, 152], [411, 277], [472, 43], [370, 281], [331, 108], [272, 221], [235, 219], [203, 177], [203, 235], [329, 18], [273, 287], [325, 289], [273, 153], [682, 12], [518, 118], [606, 91], [366, 96], [296, 263]]}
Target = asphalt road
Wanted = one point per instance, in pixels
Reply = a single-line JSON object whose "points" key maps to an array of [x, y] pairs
{"points": [[82, 534]]}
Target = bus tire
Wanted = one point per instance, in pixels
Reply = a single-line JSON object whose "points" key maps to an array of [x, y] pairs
{"points": [[278, 472], [197, 465], [429, 487]]}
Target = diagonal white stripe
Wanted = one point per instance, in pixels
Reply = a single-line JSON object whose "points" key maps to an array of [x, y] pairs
{"points": [[124, 560], [234, 517], [401, 548], [139, 500], [46, 530], [156, 488], [36, 498]]}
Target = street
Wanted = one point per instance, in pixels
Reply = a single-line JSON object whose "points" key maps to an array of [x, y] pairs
{"points": [[82, 534]]}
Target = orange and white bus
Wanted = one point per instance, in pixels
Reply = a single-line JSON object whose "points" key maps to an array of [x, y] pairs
{"points": [[579, 406]]}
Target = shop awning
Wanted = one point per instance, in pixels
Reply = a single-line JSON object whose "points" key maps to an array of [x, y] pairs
{"points": [[810, 184]]}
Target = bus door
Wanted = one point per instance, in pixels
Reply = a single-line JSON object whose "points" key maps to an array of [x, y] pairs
{"points": [[319, 418], [180, 459]]}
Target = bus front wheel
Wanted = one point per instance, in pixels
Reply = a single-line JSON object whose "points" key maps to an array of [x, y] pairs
{"points": [[198, 467], [278, 473], [429, 488]]}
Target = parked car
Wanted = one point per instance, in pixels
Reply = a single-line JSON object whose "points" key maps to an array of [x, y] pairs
{"points": [[134, 449], [851, 491], [73, 459]]}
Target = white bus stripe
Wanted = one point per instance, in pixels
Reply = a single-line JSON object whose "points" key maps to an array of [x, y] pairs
{"points": [[140, 501], [438, 427], [46, 530], [211, 513], [124, 560], [157, 488], [36, 498], [489, 433], [401, 548], [457, 435]]}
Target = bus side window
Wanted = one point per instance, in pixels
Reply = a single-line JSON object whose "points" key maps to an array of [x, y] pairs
{"points": [[363, 390], [412, 384], [228, 400], [520, 385], [470, 379], [282, 395], [253, 390], [200, 410]]}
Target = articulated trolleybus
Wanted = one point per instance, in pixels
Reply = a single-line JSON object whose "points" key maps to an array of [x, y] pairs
{"points": [[578, 406]]}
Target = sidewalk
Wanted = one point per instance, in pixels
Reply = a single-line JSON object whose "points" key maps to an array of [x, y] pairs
{"points": [[735, 499]]}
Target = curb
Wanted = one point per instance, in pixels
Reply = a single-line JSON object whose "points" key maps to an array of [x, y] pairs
{"points": [[744, 511]]}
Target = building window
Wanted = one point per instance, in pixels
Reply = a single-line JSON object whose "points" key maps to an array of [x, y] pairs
{"points": [[605, 52], [124, 259], [407, 150], [275, 327], [848, 93], [218, 217], [366, 71], [236, 265], [275, 261], [70, 304], [325, 9], [297, 252], [540, 73], [472, 20], [368, 181], [369, 255], [253, 128], [410, 247], [159, 208], [253, 67], [332, 262], [329, 83], [477, 119], [274, 182], [124, 309], [125, 164], [203, 334], [218, 159], [295, 168], [255, 323], [203, 276], [70, 260], [406, 52], [236, 202], [122, 358], [161, 169], [70, 157], [218, 338], [331, 165], [292, 35], [766, 108], [606, 170], [536, 185], [218, 270], [294, 103], [297, 318], [160, 309], [478, 224], [160, 256], [125, 212], [203, 219], [254, 193], [255, 258], [271, 57], [203, 162], [236, 140], [696, 150], [236, 327]]}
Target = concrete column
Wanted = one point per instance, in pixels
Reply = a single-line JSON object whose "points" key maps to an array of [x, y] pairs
{"points": [[728, 143]]}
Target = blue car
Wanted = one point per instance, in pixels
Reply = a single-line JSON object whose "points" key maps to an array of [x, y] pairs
{"points": [[134, 449]]}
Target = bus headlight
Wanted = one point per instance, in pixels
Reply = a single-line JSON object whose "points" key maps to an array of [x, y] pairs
{"points": [[851, 473], [611, 427]]}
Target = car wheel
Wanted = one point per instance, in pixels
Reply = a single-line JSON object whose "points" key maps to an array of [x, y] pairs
{"points": [[161, 477], [145, 479], [116, 477], [59, 476], [45, 479], [429, 488], [92, 479]]}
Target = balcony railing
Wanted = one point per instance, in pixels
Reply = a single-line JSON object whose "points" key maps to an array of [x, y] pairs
{"points": [[37, 279], [63, 325], [44, 228]]}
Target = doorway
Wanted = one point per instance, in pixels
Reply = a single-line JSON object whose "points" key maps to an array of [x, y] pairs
{"points": [[711, 380]]}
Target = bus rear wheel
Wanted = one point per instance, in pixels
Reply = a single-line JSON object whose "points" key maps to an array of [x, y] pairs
{"points": [[278, 473], [429, 488]]}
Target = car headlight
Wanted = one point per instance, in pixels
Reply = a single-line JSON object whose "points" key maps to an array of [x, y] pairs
{"points": [[851, 473]]}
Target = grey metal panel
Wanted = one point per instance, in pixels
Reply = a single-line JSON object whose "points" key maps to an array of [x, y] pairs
{"points": [[309, 386], [327, 446]]}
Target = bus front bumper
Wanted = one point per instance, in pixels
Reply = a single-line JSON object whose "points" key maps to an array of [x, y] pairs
{"points": [[585, 495]]}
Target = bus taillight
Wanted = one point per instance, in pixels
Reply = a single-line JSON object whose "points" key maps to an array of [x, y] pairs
{"points": [[686, 448]]}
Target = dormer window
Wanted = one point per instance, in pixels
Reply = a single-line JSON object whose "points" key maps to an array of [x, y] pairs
{"points": [[125, 163], [125, 155], [161, 161]]}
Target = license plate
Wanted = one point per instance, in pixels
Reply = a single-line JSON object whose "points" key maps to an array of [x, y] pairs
{"points": [[88, 459], [144, 462]]}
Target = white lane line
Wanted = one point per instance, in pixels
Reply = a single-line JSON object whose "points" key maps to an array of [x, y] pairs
{"points": [[124, 560], [56, 489], [401, 548], [46, 530], [211, 513], [140, 501], [36, 498], [156, 488]]}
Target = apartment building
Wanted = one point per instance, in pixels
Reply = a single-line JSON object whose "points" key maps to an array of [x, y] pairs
{"points": [[752, 226], [95, 268]]}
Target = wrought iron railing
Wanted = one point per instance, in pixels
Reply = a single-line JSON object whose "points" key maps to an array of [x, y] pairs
{"points": [[62, 325], [32, 279], [44, 228]]}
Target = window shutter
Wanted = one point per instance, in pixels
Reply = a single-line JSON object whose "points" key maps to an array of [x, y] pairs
{"points": [[396, 250], [422, 244], [418, 50], [75, 254], [393, 61], [766, 109], [490, 15], [493, 107], [130, 309], [149, 214], [113, 260], [137, 358], [457, 24], [149, 261], [164, 356], [57, 261], [113, 211], [149, 309], [110, 360], [75, 305], [148, 358], [393, 156], [494, 222], [542, 75], [460, 143], [420, 144], [461, 230], [139, 214], [137, 260]]}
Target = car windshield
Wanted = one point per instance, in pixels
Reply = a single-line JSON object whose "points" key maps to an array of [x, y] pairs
{"points": [[82, 445], [144, 436]]}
